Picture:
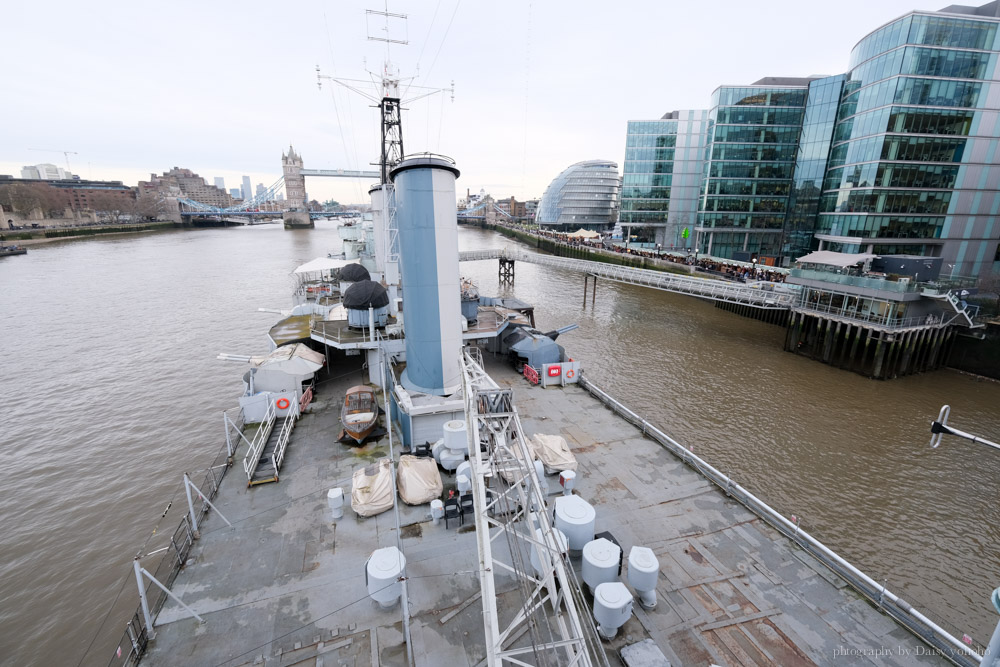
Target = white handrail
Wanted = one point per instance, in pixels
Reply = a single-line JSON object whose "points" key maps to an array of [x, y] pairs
{"points": [[259, 440], [286, 432]]}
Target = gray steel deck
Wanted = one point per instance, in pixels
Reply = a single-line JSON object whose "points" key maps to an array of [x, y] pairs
{"points": [[286, 585]]}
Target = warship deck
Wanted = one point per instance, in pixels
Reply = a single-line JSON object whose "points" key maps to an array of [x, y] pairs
{"points": [[286, 585]]}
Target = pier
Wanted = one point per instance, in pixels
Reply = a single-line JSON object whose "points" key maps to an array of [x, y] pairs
{"points": [[761, 295], [864, 331]]}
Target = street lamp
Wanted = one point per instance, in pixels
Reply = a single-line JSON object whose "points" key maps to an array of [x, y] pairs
{"points": [[938, 429]]}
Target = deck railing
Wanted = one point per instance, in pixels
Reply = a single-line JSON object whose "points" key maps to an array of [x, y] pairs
{"points": [[927, 630], [132, 644]]}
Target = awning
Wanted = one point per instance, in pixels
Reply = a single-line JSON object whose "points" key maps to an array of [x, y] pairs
{"points": [[829, 258], [584, 234], [295, 359], [323, 264]]}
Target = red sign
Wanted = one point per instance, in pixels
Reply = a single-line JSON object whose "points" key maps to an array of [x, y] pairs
{"points": [[555, 371]]}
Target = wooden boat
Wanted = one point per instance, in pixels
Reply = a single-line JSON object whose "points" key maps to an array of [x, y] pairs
{"points": [[359, 414]]}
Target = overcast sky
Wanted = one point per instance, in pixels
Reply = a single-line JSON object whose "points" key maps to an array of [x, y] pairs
{"points": [[223, 88]]}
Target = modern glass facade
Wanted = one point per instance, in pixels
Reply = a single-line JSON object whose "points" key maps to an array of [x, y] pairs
{"points": [[752, 148], [810, 164], [914, 168], [664, 160], [584, 195], [900, 155]]}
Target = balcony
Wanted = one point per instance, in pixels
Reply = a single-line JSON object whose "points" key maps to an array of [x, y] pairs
{"points": [[901, 285]]}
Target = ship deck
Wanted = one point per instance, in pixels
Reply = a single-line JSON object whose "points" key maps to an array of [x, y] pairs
{"points": [[286, 585]]}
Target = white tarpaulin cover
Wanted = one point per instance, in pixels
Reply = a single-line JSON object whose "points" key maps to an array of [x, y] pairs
{"points": [[553, 452], [371, 488], [323, 264], [584, 234], [295, 359], [418, 480], [830, 258], [513, 468]]}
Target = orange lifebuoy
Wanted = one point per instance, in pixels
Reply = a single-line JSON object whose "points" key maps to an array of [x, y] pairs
{"points": [[570, 373], [285, 401]]}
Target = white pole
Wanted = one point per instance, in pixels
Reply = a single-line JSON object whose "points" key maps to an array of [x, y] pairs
{"points": [[188, 485], [187, 490], [992, 654], [142, 599], [167, 591], [229, 440]]}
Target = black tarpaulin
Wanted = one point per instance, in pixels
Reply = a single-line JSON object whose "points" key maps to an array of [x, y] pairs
{"points": [[366, 293]]}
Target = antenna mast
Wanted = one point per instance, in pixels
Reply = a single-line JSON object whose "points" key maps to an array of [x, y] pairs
{"points": [[392, 124], [390, 103]]}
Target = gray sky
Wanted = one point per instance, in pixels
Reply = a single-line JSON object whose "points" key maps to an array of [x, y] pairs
{"points": [[223, 88]]}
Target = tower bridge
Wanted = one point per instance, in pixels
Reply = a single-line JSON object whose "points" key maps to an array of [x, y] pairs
{"points": [[292, 181]]}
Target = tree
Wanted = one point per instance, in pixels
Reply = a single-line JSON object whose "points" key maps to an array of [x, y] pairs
{"points": [[111, 207], [20, 198], [147, 206]]}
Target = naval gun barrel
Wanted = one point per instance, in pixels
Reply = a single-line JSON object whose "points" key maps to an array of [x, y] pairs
{"points": [[555, 334]]}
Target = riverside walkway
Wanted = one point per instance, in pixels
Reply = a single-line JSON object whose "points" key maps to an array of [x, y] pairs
{"points": [[762, 295]]}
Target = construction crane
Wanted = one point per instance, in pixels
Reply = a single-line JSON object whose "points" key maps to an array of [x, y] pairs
{"points": [[66, 154]]}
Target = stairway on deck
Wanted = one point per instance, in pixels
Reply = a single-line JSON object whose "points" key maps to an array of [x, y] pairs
{"points": [[265, 472]]}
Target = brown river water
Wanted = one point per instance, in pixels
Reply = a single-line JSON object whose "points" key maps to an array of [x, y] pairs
{"points": [[112, 390]]}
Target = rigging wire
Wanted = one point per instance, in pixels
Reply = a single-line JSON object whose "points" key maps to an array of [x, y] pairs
{"points": [[125, 580], [443, 39], [426, 41], [524, 121], [333, 95]]}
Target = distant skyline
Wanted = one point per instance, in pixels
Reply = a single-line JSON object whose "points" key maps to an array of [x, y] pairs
{"points": [[132, 89]]}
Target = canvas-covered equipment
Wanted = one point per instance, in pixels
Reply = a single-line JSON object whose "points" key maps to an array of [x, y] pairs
{"points": [[513, 468], [553, 452], [371, 488], [418, 480]]}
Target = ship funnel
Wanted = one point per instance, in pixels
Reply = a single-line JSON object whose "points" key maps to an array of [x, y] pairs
{"points": [[426, 214]]}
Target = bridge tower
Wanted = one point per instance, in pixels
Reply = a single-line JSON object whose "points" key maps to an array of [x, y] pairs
{"points": [[297, 216]]}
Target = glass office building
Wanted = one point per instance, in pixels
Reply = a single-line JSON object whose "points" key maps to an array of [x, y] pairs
{"points": [[914, 167], [664, 160], [753, 143], [899, 156], [585, 195]]}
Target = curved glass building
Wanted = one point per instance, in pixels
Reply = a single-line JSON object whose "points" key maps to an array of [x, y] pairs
{"points": [[913, 166], [584, 195]]}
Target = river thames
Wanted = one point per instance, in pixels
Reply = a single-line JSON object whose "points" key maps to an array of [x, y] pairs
{"points": [[112, 391]]}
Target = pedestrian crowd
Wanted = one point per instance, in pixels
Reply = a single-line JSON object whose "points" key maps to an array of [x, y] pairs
{"points": [[728, 270]]}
